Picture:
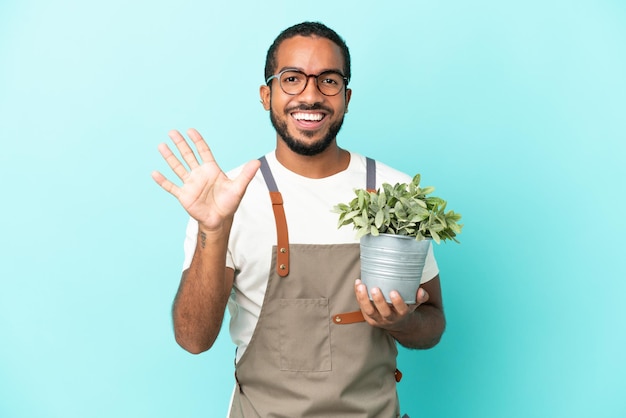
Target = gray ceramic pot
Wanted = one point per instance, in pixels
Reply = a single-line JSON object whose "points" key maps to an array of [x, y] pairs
{"points": [[393, 262]]}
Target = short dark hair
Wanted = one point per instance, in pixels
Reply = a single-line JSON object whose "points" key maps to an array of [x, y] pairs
{"points": [[307, 29]]}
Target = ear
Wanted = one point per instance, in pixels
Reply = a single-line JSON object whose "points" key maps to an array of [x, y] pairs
{"points": [[348, 96], [265, 93]]}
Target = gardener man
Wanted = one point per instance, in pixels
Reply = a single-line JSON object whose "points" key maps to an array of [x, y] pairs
{"points": [[265, 242]]}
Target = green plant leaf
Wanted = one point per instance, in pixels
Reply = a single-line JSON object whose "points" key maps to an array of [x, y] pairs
{"points": [[361, 233], [380, 217], [428, 190], [361, 198], [360, 222], [402, 209]]}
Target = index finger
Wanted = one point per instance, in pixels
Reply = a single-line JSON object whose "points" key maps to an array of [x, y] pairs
{"points": [[362, 297]]}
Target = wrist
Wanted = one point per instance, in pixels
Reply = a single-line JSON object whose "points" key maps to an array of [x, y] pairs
{"points": [[213, 234], [216, 228]]}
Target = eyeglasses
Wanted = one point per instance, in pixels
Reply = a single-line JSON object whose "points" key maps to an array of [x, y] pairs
{"points": [[293, 82]]}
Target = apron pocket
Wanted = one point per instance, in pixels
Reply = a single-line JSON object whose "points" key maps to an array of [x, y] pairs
{"points": [[304, 335]]}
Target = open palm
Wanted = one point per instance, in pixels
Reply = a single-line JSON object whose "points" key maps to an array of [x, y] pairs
{"points": [[206, 193]]}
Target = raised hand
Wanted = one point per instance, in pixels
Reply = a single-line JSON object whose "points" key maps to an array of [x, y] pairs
{"points": [[207, 194]]}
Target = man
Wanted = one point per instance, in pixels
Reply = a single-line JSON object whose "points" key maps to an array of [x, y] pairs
{"points": [[309, 340]]}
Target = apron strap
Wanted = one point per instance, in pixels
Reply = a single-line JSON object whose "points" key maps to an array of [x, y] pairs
{"points": [[267, 175], [370, 166], [282, 246]]}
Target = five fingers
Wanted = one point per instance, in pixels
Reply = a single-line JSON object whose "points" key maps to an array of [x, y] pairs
{"points": [[189, 157]]}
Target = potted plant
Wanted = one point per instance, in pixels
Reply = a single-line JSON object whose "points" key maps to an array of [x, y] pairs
{"points": [[396, 225]]}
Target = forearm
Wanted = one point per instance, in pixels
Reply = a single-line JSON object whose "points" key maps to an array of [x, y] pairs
{"points": [[422, 329], [204, 289]]}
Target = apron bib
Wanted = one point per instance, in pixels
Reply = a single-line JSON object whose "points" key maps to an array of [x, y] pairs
{"points": [[311, 355]]}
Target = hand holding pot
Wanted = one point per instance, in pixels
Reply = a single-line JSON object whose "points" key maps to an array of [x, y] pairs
{"points": [[379, 313]]}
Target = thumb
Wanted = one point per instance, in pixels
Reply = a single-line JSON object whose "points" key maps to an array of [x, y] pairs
{"points": [[247, 174]]}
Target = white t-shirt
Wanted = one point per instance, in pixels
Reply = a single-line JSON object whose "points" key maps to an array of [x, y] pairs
{"points": [[308, 207]]}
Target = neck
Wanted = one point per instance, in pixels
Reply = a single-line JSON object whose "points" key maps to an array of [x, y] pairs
{"points": [[331, 161]]}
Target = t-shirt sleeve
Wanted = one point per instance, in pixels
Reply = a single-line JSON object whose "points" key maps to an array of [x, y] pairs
{"points": [[431, 269], [191, 238]]}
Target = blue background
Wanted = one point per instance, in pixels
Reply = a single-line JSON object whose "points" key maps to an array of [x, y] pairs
{"points": [[513, 110]]}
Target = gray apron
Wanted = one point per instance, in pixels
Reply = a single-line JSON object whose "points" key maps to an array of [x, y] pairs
{"points": [[311, 353]]}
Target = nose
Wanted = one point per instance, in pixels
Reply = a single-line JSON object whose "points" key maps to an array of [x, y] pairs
{"points": [[311, 93]]}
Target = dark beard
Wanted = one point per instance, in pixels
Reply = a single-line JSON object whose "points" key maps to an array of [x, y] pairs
{"points": [[299, 147]]}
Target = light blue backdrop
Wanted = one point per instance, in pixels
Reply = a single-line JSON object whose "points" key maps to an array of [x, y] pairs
{"points": [[513, 110]]}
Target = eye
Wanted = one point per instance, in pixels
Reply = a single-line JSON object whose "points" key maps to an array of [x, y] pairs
{"points": [[330, 79], [292, 77]]}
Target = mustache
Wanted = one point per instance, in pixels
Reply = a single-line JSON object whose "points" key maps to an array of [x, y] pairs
{"points": [[306, 107]]}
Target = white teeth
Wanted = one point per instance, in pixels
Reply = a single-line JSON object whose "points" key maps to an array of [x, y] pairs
{"points": [[308, 116]]}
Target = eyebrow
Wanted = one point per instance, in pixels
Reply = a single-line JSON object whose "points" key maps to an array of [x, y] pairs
{"points": [[334, 70]]}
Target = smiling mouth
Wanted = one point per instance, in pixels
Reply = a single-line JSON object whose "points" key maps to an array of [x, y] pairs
{"points": [[308, 117]]}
